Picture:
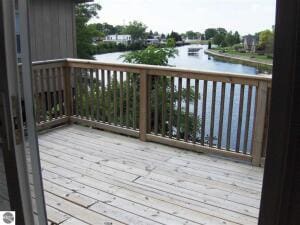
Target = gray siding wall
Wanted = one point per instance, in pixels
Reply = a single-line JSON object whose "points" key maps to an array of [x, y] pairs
{"points": [[52, 29]]}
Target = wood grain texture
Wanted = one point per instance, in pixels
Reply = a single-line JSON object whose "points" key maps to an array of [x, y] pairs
{"points": [[91, 175]]}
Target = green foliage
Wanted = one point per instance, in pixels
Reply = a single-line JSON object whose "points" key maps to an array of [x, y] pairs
{"points": [[152, 55], [238, 47], [159, 56], [224, 39], [219, 39], [108, 29], [84, 32], [175, 36], [107, 47], [209, 45], [266, 41], [191, 35], [210, 33], [157, 92], [137, 30]]}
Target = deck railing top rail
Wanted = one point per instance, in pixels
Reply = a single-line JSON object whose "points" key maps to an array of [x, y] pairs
{"points": [[215, 112], [154, 70]]}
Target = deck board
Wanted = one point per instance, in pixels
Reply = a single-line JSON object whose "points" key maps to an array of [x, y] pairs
{"points": [[91, 175]]}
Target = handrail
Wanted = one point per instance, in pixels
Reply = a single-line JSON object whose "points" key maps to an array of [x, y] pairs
{"points": [[167, 69], [205, 111]]}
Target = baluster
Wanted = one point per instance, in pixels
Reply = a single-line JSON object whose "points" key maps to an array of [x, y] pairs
{"points": [[54, 75], [230, 117], [221, 116], [97, 96], [134, 114], [156, 106], [143, 105], [43, 93], [196, 111], [187, 110], [62, 93], [163, 114], [103, 97], [49, 94], [115, 97], [149, 127], [249, 103], [37, 97], [108, 97], [239, 130], [203, 120], [68, 91], [121, 100], [127, 99], [76, 90], [86, 84], [179, 107], [171, 108], [92, 92], [81, 80], [212, 115]]}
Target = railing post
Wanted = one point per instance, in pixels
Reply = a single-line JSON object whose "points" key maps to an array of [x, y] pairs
{"points": [[143, 105], [259, 122], [67, 91]]}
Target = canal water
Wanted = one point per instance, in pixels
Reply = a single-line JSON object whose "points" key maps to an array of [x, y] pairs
{"points": [[204, 62]]}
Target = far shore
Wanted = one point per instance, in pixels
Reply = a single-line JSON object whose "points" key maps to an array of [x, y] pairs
{"points": [[260, 65]]}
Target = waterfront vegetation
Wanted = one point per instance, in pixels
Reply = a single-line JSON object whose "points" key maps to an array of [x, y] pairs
{"points": [[153, 55], [161, 87], [252, 56], [228, 43]]}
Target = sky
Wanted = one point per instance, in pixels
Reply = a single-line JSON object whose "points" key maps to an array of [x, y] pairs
{"points": [[245, 16]]}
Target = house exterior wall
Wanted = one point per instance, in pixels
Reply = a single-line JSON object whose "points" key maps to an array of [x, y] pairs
{"points": [[52, 29], [122, 38]]}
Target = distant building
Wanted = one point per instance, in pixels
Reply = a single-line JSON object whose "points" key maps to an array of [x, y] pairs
{"points": [[250, 43], [119, 39], [153, 40]]}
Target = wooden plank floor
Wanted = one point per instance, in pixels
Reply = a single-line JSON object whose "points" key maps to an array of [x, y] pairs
{"points": [[96, 177]]}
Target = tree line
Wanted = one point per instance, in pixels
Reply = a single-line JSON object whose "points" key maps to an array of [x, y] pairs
{"points": [[87, 33]]}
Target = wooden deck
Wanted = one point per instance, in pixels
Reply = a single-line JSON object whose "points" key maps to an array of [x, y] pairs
{"points": [[95, 177]]}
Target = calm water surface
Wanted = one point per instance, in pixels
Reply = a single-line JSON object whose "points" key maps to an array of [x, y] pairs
{"points": [[204, 62], [183, 60]]}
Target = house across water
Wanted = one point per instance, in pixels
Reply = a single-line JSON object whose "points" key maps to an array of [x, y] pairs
{"points": [[119, 39]]}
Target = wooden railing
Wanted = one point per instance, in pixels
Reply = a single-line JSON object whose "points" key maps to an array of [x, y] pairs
{"points": [[219, 113]]}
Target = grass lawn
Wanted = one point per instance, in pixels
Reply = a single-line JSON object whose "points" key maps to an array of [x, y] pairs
{"points": [[247, 55]]}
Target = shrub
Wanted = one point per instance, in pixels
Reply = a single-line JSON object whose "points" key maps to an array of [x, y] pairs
{"points": [[238, 47]]}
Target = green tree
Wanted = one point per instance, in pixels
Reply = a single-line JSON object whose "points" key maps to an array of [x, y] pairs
{"points": [[223, 38], [221, 31], [210, 33], [108, 29], [232, 39], [220, 39], [137, 30], [191, 35], [266, 41], [152, 55], [159, 56], [237, 38], [84, 32], [175, 36]]}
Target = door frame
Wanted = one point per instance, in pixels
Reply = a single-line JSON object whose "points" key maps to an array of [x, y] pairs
{"points": [[282, 161], [14, 148]]}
